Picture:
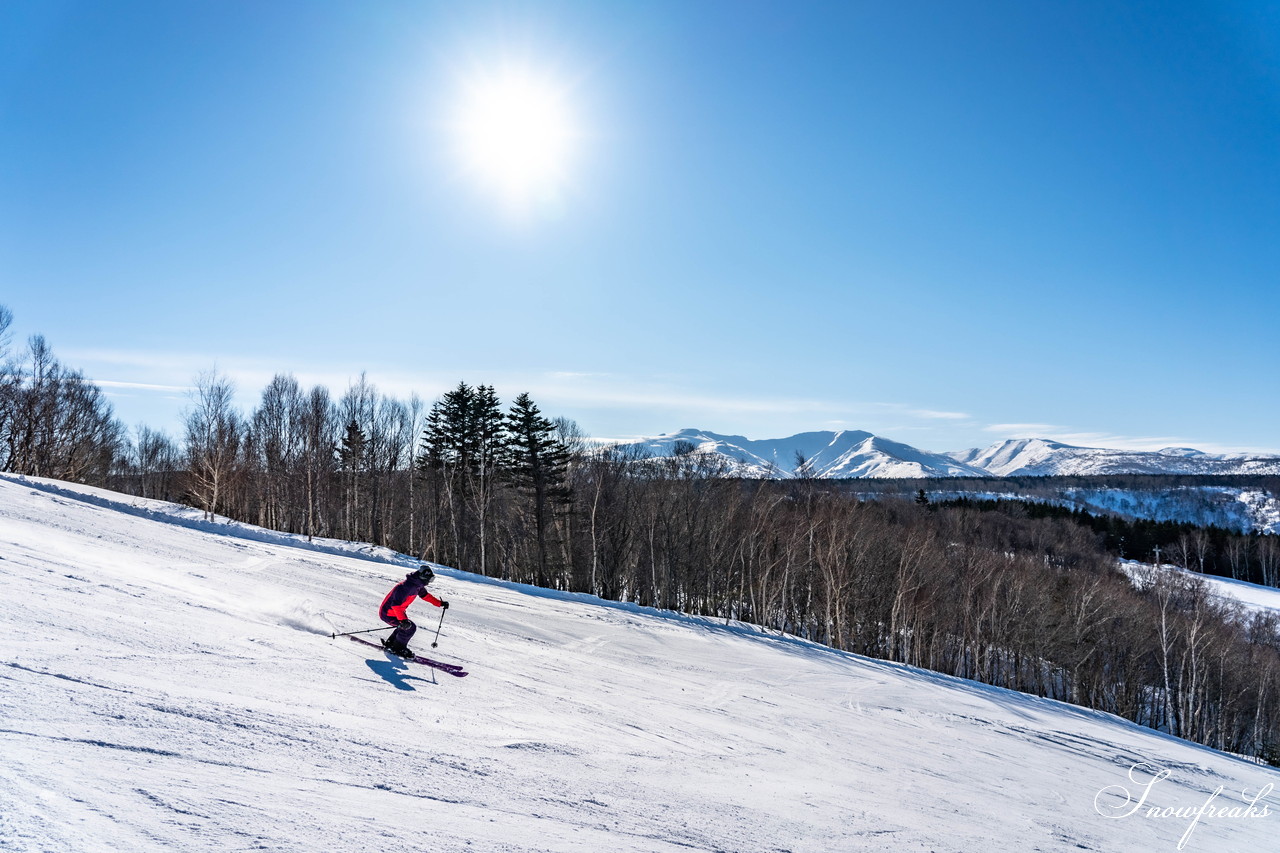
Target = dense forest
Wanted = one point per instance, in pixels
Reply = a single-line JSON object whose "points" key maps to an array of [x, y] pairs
{"points": [[1021, 596], [1206, 549]]}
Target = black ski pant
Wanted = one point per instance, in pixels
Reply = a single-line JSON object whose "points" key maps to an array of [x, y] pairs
{"points": [[400, 636]]}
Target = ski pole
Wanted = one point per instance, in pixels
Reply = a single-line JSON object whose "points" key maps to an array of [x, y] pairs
{"points": [[438, 627], [370, 631]]}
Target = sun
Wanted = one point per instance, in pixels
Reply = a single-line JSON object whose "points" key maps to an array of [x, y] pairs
{"points": [[516, 134]]}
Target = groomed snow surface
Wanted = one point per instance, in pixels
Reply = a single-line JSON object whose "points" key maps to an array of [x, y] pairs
{"points": [[169, 684]]}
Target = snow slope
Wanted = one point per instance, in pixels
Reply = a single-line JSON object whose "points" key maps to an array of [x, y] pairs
{"points": [[1244, 510], [168, 684], [1252, 596], [1234, 508]]}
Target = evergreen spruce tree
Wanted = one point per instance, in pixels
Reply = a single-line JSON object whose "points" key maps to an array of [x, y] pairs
{"points": [[447, 436], [444, 453], [463, 443], [537, 463], [488, 431], [487, 442], [351, 461]]}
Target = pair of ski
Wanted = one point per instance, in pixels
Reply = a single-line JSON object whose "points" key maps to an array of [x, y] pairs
{"points": [[451, 668]]}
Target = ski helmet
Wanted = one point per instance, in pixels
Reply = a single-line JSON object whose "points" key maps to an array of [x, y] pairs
{"points": [[425, 574]]}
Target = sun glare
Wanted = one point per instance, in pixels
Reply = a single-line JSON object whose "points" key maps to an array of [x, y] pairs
{"points": [[516, 135]]}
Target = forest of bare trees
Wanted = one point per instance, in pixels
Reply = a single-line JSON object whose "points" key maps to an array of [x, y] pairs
{"points": [[53, 422], [1033, 604]]}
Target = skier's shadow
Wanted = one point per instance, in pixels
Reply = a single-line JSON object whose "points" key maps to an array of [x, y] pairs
{"points": [[395, 673]]}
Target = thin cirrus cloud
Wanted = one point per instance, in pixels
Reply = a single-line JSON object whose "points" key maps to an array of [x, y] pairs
{"points": [[159, 372], [142, 386], [573, 392], [1077, 438], [1113, 441], [1150, 442], [1021, 430], [930, 414]]}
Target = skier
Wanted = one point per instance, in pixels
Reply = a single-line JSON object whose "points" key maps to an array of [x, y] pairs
{"points": [[393, 608]]}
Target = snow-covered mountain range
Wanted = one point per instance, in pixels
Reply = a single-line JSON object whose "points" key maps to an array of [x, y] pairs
{"points": [[833, 455], [169, 684], [1042, 457], [854, 453]]}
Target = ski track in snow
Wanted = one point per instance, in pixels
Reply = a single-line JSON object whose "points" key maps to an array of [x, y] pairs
{"points": [[166, 686]]}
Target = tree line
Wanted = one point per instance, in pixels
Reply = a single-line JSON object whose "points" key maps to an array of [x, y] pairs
{"points": [[462, 481], [1031, 603], [1207, 549], [1036, 605], [53, 421]]}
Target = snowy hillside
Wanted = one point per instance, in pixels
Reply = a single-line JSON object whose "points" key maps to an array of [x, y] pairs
{"points": [[169, 684], [1240, 509], [1231, 508], [1039, 457], [1252, 596], [847, 453]]}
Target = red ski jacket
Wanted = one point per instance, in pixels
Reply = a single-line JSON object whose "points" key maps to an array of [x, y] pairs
{"points": [[402, 595]]}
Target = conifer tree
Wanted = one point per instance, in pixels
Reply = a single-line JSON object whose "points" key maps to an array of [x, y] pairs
{"points": [[351, 460], [488, 440], [537, 463], [463, 445]]}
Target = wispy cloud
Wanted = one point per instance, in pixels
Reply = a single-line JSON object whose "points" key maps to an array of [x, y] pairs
{"points": [[906, 410], [1021, 430], [173, 371], [933, 415], [142, 386], [1147, 442], [1117, 441]]}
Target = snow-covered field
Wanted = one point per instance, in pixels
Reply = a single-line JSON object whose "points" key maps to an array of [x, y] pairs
{"points": [[1251, 595], [169, 684]]}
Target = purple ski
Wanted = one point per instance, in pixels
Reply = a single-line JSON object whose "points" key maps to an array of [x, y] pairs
{"points": [[450, 668]]}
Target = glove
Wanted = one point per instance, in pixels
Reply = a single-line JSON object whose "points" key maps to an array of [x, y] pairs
{"points": [[445, 605], [406, 624]]}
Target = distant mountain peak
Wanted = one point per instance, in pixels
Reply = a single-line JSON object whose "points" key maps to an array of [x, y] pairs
{"points": [[827, 454], [850, 454], [1041, 457]]}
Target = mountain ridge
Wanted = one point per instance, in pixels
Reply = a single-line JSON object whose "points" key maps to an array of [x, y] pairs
{"points": [[858, 454]]}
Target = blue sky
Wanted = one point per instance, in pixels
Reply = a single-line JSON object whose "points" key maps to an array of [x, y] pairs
{"points": [[947, 223]]}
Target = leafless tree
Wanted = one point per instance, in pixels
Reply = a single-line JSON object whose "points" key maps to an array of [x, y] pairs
{"points": [[156, 461], [214, 431], [54, 422]]}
